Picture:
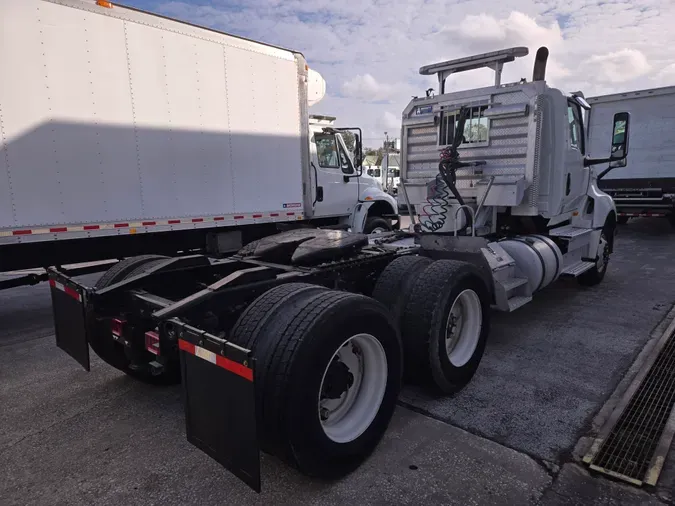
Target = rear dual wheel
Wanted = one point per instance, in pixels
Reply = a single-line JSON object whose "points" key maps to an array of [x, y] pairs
{"points": [[328, 373], [442, 309]]}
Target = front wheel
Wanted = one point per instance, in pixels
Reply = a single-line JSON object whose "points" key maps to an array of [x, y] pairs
{"points": [[597, 273], [377, 225]]}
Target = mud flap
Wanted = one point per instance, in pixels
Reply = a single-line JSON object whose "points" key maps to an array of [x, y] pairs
{"points": [[219, 401], [68, 306]]}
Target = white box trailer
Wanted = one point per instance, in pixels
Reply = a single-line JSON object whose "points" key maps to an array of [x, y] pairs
{"points": [[645, 186], [117, 123]]}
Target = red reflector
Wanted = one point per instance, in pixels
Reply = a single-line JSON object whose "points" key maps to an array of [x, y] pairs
{"points": [[274, 214], [72, 293], [238, 217], [290, 214], [22, 232], [121, 225], [197, 220], [218, 218], [58, 229], [148, 223], [91, 227], [117, 326], [152, 342], [173, 222], [257, 215]]}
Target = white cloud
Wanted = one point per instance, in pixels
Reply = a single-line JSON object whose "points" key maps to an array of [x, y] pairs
{"points": [[390, 123], [370, 52], [366, 87], [618, 66], [665, 76]]}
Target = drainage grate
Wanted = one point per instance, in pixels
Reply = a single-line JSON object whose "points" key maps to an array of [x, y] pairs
{"points": [[635, 448]]}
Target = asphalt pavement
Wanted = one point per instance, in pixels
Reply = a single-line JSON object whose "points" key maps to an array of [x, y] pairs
{"points": [[550, 375]]}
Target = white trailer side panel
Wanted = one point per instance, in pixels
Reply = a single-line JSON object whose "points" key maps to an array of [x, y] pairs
{"points": [[113, 115], [652, 132]]}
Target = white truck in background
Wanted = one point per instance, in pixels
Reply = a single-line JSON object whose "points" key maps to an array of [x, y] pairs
{"points": [[126, 133], [645, 186]]}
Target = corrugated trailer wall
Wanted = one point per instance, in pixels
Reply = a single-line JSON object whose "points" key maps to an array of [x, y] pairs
{"points": [[111, 115], [652, 132]]}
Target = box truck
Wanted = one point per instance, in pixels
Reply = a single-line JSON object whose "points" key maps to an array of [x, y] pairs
{"points": [[126, 133], [298, 346], [645, 186]]}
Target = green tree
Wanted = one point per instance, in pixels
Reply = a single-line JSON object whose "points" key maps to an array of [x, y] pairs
{"points": [[350, 140]]}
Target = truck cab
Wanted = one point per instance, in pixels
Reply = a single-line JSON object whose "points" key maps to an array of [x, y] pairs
{"points": [[340, 189]]}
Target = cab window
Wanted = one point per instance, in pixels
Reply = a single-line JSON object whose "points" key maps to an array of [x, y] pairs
{"points": [[576, 126], [327, 151]]}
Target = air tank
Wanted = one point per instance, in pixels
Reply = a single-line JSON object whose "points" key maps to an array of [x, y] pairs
{"points": [[537, 257]]}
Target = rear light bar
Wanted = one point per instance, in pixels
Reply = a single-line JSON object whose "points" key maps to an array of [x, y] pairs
{"points": [[152, 342], [117, 327]]}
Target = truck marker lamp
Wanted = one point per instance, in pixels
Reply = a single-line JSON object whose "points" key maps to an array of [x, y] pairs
{"points": [[368, 198], [117, 326], [104, 3], [152, 342]]}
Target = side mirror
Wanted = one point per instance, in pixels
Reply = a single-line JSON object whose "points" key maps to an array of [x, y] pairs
{"points": [[619, 149]]}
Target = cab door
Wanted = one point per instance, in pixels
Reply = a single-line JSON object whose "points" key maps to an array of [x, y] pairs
{"points": [[576, 175], [333, 193]]}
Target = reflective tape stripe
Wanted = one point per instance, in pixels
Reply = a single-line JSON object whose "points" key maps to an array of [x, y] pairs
{"points": [[124, 227], [209, 356], [66, 289]]}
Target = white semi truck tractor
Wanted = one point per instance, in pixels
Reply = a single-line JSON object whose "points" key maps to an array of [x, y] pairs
{"points": [[298, 346], [126, 133]]}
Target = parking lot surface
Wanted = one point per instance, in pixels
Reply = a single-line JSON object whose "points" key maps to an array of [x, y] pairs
{"points": [[72, 437]]}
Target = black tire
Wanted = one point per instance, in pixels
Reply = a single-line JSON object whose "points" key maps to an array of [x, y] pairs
{"points": [[249, 248], [101, 340], [294, 332], [245, 330], [395, 283], [377, 223], [424, 325], [622, 220], [596, 274], [120, 270]]}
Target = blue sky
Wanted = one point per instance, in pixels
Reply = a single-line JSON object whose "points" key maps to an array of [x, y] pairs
{"points": [[370, 51]]}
